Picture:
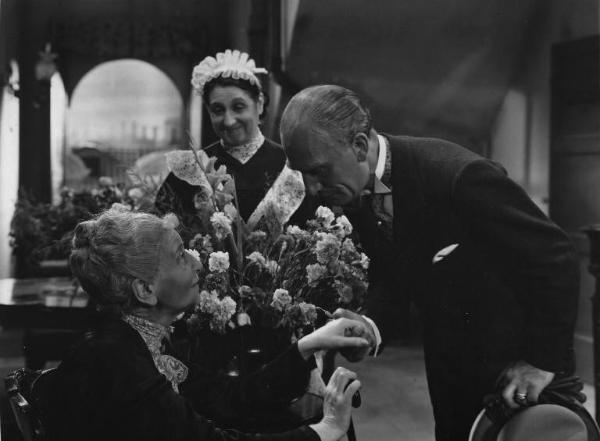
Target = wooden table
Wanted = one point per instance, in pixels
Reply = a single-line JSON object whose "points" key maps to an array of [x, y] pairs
{"points": [[52, 311]]}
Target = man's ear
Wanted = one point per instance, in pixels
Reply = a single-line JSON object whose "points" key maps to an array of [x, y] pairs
{"points": [[143, 292], [361, 146]]}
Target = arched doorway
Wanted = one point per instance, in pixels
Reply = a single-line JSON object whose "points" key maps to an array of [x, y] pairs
{"points": [[120, 111]]}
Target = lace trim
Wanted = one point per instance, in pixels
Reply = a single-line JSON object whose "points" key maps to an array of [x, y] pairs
{"points": [[153, 334], [244, 152], [283, 198], [184, 165]]}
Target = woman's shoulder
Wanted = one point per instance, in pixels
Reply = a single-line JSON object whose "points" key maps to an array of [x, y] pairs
{"points": [[112, 339]]}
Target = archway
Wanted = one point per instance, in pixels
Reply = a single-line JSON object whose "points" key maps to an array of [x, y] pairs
{"points": [[120, 111]]}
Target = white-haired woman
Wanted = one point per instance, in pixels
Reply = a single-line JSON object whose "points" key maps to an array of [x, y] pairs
{"points": [[118, 383]]}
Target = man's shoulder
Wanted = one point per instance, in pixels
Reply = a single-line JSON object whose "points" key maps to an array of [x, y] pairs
{"points": [[432, 154]]}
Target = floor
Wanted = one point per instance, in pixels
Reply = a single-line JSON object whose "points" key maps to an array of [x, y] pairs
{"points": [[395, 404]]}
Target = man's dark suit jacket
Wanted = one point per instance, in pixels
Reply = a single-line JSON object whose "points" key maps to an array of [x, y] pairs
{"points": [[108, 388], [508, 292]]}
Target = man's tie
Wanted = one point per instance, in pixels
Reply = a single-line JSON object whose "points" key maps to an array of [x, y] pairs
{"points": [[384, 219]]}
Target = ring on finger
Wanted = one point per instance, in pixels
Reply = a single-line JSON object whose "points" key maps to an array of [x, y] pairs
{"points": [[520, 396]]}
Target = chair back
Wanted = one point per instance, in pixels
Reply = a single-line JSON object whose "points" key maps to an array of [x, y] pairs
{"points": [[19, 385]]}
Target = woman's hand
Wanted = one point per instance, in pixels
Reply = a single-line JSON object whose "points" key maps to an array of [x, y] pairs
{"points": [[336, 334], [337, 405]]}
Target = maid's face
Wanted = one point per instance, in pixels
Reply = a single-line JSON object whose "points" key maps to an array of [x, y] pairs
{"points": [[234, 114]]}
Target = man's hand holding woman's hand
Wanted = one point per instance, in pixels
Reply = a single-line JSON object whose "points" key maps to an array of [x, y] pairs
{"points": [[337, 405], [340, 334], [357, 353]]}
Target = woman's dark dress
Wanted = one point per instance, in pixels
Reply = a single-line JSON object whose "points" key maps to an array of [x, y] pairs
{"points": [[252, 179], [108, 388]]}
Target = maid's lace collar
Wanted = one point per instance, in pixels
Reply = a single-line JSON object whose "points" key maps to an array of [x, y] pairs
{"points": [[244, 152]]}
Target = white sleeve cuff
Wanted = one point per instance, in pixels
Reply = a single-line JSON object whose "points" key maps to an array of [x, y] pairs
{"points": [[377, 335]]}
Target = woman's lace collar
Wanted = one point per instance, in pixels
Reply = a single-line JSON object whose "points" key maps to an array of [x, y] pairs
{"points": [[153, 334], [244, 152]]}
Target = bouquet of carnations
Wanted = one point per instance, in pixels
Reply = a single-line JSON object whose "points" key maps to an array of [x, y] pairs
{"points": [[261, 272]]}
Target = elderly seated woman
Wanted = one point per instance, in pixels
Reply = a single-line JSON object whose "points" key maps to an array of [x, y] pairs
{"points": [[118, 383]]}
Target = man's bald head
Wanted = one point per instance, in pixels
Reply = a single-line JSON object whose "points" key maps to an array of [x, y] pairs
{"points": [[328, 111]]}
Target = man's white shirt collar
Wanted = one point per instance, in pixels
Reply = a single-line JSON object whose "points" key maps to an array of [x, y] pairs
{"points": [[378, 186]]}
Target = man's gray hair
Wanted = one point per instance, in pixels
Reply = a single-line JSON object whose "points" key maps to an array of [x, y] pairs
{"points": [[328, 110]]}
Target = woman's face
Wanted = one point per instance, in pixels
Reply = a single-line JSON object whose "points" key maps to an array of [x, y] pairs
{"points": [[234, 114], [176, 282]]}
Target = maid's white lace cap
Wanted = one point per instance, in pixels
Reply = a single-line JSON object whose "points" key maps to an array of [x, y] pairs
{"points": [[228, 64]]}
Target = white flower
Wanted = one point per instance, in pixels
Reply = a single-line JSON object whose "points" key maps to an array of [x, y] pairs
{"points": [[348, 246], [208, 302], [272, 267], [221, 224], [309, 312], [364, 261], [105, 181], [344, 225], [325, 216], [135, 193], [314, 272], [257, 258], [195, 254], [230, 211], [218, 262], [327, 248], [117, 206], [243, 319], [281, 299], [294, 230], [229, 306]]}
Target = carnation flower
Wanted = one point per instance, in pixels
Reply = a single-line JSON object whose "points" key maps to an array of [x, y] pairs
{"points": [[117, 206], [105, 181], [243, 319], [135, 193], [327, 248], [348, 246], [257, 258], [309, 312], [208, 302], [325, 216], [272, 267], [294, 230], [245, 291], [364, 261], [345, 292], [281, 299], [314, 272], [221, 224], [225, 310], [195, 254], [343, 226], [218, 262]]}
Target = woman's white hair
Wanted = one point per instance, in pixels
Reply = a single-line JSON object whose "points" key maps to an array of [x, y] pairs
{"points": [[112, 250]]}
